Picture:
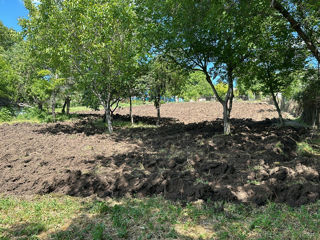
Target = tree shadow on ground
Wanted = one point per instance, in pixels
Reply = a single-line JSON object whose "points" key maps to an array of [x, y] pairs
{"points": [[152, 218], [28, 230], [91, 124], [267, 110], [259, 162], [157, 218]]}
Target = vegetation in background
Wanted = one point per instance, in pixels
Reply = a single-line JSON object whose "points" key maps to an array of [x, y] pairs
{"points": [[98, 62], [196, 87]]}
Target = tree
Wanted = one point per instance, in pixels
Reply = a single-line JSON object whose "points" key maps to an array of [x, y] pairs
{"points": [[203, 36], [8, 75], [97, 39], [274, 58], [304, 18], [162, 77]]}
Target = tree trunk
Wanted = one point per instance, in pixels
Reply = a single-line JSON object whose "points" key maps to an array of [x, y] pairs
{"points": [[131, 115], [157, 105], [311, 112], [107, 110], [53, 106], [226, 120], [68, 105], [40, 106], [63, 111], [277, 107], [104, 118], [158, 115], [107, 118], [227, 106], [227, 102]]}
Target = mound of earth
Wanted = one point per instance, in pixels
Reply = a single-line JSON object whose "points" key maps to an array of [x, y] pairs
{"points": [[259, 162]]}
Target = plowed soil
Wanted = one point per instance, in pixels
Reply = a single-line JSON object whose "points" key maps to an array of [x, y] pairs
{"points": [[186, 158]]}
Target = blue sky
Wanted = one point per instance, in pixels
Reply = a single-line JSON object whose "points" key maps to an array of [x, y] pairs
{"points": [[10, 11]]}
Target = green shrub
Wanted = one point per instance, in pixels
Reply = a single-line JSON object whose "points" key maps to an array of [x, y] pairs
{"points": [[32, 114], [6, 114]]}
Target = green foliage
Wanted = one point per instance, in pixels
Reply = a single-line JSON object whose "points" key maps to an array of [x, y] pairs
{"points": [[33, 113], [7, 79], [98, 50], [196, 86], [222, 88], [8, 37], [6, 114], [275, 58], [163, 78]]}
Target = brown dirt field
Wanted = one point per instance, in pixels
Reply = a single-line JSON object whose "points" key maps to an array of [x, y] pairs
{"points": [[193, 112], [187, 158]]}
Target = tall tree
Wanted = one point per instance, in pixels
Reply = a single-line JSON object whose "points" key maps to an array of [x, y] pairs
{"points": [[304, 17], [274, 58], [95, 38], [161, 78], [203, 36]]}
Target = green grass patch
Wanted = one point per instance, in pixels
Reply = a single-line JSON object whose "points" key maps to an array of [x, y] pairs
{"points": [[76, 109], [122, 124], [124, 104], [312, 148], [64, 217], [34, 115]]}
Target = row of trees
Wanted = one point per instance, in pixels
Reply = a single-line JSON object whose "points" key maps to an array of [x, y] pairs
{"points": [[108, 50]]}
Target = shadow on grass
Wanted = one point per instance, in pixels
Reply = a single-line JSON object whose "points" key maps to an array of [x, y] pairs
{"points": [[157, 218], [23, 231]]}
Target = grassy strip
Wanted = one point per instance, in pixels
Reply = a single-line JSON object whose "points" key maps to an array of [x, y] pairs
{"points": [[122, 124], [76, 109], [63, 217], [33, 115]]}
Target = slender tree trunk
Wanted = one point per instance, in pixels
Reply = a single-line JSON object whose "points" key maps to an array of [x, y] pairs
{"points": [[68, 105], [311, 112], [158, 115], [131, 115], [227, 102], [227, 106], [226, 120], [104, 118], [157, 105], [40, 106], [63, 111], [53, 106], [109, 119], [107, 110], [277, 107]]}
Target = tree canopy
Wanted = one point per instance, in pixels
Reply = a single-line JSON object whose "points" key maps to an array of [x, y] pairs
{"points": [[109, 50]]}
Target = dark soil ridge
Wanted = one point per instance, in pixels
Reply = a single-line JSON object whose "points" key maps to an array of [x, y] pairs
{"points": [[185, 162]]}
